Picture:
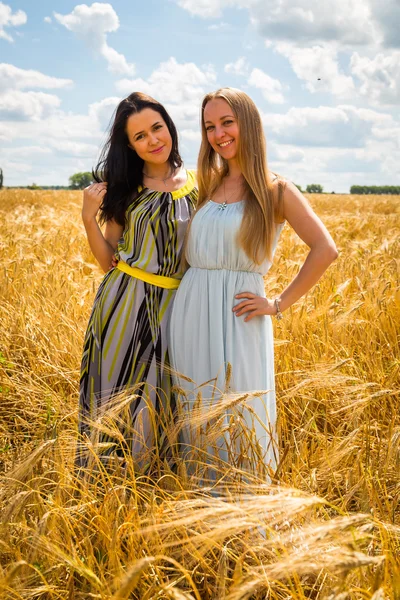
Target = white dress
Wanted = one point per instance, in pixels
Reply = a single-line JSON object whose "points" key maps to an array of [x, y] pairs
{"points": [[205, 335]]}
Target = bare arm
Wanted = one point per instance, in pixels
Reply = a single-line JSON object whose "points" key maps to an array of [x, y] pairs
{"points": [[299, 214], [102, 246]]}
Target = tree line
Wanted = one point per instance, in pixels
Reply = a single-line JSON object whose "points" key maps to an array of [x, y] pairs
{"points": [[79, 181], [375, 189]]}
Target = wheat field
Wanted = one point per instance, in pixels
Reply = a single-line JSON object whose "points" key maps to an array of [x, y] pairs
{"points": [[326, 526]]}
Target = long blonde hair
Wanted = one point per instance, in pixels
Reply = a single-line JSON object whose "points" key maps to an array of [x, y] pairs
{"points": [[263, 209]]}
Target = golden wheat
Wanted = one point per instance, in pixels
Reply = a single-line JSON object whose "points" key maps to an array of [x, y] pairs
{"points": [[328, 526]]}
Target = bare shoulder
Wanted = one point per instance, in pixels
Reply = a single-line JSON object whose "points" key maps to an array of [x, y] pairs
{"points": [[279, 183], [301, 217], [278, 186], [295, 205], [291, 193]]}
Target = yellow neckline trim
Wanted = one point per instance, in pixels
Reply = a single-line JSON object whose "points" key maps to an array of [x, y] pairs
{"points": [[181, 192], [187, 188]]}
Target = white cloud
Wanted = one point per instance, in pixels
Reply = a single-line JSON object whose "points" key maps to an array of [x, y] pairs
{"points": [[271, 88], [92, 24], [353, 161], [74, 148], [117, 63], [191, 135], [344, 126], [102, 111], [14, 167], [18, 105], [240, 67], [186, 116], [311, 21], [222, 26], [25, 106], [285, 153], [387, 14], [389, 131], [28, 151], [379, 77], [173, 82], [55, 146], [318, 67], [206, 8], [12, 77], [6, 132], [305, 22], [47, 20], [10, 19], [57, 125], [64, 126], [338, 168]]}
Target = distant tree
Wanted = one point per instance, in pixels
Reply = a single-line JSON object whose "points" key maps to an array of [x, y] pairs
{"points": [[34, 186], [314, 188], [80, 180], [1, 178], [298, 187], [375, 189]]}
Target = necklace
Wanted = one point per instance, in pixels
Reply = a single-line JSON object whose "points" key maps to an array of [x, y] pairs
{"points": [[225, 203], [164, 180]]}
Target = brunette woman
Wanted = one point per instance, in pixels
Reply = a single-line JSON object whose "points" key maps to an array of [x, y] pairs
{"points": [[145, 198]]}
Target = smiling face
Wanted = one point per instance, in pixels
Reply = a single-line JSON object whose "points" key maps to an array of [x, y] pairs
{"points": [[222, 128], [149, 136]]}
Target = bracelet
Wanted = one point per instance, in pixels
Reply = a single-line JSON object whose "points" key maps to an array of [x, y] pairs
{"points": [[278, 315]]}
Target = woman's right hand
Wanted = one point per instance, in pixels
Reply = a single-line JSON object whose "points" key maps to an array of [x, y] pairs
{"points": [[92, 198]]}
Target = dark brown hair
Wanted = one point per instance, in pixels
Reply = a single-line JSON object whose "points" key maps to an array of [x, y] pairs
{"points": [[119, 165]]}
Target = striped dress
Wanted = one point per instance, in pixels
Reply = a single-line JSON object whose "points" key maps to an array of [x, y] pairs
{"points": [[125, 346]]}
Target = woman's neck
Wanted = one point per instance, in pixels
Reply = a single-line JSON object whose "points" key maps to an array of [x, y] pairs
{"points": [[235, 171], [159, 171]]}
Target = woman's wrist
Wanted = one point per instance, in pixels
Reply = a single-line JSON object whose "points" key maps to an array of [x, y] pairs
{"points": [[89, 220], [277, 306]]}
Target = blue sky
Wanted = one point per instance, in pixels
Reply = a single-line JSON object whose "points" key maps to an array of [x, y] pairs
{"points": [[325, 76]]}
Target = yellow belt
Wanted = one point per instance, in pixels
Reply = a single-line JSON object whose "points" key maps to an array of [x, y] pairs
{"points": [[169, 283]]}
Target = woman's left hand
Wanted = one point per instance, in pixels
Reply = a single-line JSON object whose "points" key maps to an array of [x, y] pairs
{"points": [[114, 262], [255, 306]]}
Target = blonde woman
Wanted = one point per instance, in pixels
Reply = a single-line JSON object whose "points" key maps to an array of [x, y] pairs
{"points": [[221, 315]]}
